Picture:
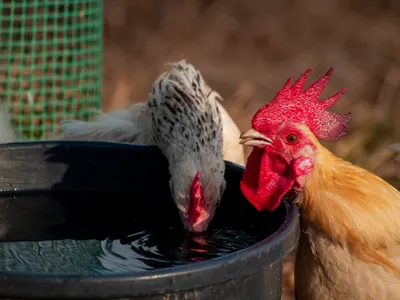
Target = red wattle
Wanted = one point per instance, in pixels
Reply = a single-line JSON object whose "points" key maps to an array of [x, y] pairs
{"points": [[196, 200], [266, 179]]}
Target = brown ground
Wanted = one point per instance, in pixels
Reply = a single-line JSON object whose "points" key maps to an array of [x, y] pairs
{"points": [[247, 49]]}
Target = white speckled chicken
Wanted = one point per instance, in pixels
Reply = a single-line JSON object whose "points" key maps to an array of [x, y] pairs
{"points": [[185, 120]]}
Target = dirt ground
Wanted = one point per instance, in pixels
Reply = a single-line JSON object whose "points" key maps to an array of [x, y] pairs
{"points": [[246, 50]]}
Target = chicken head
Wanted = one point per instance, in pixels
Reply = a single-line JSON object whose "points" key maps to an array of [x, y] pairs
{"points": [[283, 136]]}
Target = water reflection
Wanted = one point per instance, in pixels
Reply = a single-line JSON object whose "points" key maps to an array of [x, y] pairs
{"points": [[143, 250]]}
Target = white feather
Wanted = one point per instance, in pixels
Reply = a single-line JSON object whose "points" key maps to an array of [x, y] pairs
{"points": [[125, 125]]}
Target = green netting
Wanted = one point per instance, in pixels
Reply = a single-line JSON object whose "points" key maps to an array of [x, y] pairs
{"points": [[50, 62]]}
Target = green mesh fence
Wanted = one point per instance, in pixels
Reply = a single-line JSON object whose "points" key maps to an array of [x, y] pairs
{"points": [[50, 63]]}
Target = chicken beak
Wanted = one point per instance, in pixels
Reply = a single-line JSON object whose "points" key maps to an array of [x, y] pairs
{"points": [[253, 138]]}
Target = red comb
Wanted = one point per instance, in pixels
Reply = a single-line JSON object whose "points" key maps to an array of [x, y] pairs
{"points": [[302, 106]]}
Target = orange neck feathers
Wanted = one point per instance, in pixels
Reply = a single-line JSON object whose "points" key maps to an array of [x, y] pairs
{"points": [[352, 206]]}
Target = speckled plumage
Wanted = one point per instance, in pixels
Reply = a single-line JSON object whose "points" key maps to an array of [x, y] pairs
{"points": [[184, 118], [181, 110]]}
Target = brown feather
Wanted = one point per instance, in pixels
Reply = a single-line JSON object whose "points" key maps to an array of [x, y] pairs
{"points": [[353, 207]]}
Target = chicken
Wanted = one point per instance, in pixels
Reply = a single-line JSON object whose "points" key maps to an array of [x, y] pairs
{"points": [[184, 118], [349, 245]]}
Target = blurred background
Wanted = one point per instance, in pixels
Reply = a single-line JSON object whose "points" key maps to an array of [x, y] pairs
{"points": [[246, 50]]}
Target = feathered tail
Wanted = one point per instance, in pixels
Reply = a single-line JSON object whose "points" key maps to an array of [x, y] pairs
{"points": [[125, 125]]}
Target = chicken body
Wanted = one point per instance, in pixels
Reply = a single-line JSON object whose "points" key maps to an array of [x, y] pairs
{"points": [[184, 118], [133, 124], [350, 233], [325, 270], [349, 246]]}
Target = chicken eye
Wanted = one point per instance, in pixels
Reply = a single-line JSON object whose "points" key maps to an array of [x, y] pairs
{"points": [[292, 138]]}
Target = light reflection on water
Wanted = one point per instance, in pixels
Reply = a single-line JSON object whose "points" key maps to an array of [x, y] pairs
{"points": [[144, 250]]}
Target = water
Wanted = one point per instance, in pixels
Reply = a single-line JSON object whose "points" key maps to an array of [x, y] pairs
{"points": [[144, 250]]}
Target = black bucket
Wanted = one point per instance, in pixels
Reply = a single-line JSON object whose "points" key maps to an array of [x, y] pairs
{"points": [[117, 173]]}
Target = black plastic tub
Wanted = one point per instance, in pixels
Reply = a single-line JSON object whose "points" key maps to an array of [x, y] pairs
{"points": [[130, 182]]}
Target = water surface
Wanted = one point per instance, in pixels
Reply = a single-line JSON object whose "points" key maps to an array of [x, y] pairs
{"points": [[143, 250]]}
